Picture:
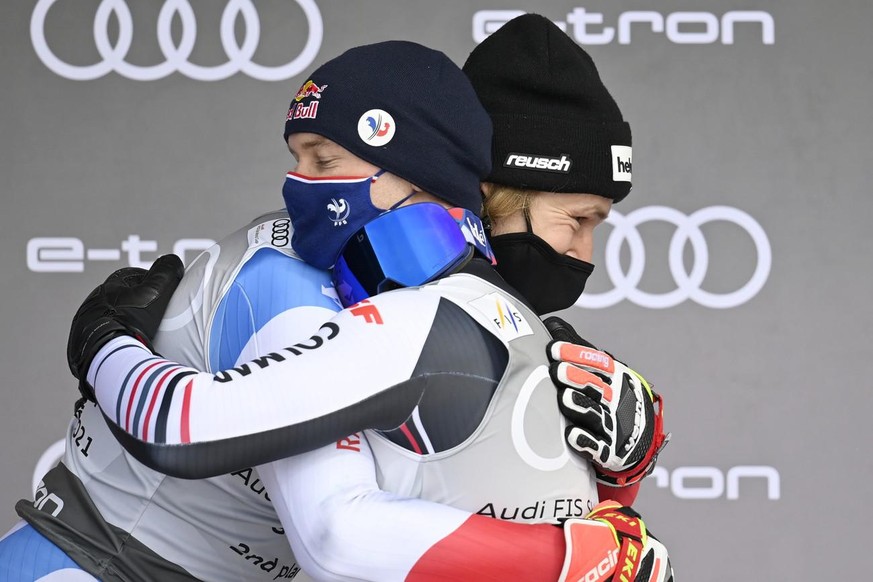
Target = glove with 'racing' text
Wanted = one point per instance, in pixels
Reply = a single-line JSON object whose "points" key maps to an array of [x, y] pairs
{"points": [[616, 419], [612, 543]]}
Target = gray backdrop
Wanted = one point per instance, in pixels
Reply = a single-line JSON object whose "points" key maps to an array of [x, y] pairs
{"points": [[736, 276]]}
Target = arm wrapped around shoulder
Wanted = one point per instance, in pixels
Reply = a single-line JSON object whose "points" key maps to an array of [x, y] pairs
{"points": [[130, 302]]}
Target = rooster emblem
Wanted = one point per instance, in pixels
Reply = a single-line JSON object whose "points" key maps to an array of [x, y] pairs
{"points": [[340, 211]]}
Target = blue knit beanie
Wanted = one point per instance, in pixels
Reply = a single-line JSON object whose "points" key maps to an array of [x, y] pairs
{"points": [[405, 108]]}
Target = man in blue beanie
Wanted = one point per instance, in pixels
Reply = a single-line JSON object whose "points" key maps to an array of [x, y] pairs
{"points": [[373, 130]]}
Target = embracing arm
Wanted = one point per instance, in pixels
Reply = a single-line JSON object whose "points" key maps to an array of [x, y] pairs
{"points": [[352, 374]]}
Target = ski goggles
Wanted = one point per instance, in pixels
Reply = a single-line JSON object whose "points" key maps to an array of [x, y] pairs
{"points": [[404, 247]]}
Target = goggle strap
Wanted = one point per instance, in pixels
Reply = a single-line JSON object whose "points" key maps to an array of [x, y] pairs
{"points": [[474, 232]]}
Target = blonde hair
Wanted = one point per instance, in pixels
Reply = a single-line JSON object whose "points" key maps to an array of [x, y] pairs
{"points": [[505, 201]]}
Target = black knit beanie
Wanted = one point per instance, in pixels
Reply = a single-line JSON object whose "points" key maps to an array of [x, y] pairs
{"points": [[556, 127], [405, 108]]}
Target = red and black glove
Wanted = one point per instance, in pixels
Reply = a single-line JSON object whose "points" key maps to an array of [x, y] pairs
{"points": [[616, 419]]}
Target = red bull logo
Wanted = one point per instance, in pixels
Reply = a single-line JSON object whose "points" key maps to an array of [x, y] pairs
{"points": [[309, 89], [301, 111]]}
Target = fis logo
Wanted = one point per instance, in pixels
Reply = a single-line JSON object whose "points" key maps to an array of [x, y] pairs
{"points": [[504, 315], [542, 163]]}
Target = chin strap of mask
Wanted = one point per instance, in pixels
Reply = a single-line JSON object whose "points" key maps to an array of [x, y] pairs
{"points": [[526, 212]]}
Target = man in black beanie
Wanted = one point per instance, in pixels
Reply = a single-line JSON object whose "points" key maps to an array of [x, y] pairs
{"points": [[561, 156], [557, 130]]}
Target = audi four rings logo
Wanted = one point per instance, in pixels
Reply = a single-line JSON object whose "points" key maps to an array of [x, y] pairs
{"points": [[176, 55], [279, 236], [687, 284]]}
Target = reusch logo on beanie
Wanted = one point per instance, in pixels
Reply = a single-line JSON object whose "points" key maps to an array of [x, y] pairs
{"points": [[545, 97], [405, 108], [539, 163]]}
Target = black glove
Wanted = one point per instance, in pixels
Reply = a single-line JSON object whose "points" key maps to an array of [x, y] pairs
{"points": [[616, 419], [130, 302]]}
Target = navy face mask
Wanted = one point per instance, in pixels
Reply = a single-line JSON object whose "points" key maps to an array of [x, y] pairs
{"points": [[325, 212]]}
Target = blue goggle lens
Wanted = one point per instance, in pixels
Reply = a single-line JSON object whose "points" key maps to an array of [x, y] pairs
{"points": [[404, 247]]}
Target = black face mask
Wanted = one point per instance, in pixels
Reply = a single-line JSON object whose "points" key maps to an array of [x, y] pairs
{"points": [[549, 280]]}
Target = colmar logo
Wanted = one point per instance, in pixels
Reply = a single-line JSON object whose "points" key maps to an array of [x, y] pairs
{"points": [[298, 349], [542, 163]]}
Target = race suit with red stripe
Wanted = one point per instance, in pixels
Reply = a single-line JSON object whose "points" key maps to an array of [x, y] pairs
{"points": [[450, 371], [451, 374]]}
